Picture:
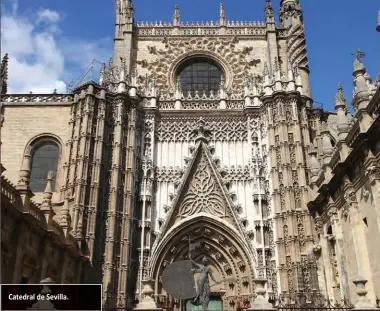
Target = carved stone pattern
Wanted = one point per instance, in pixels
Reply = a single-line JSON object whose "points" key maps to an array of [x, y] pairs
{"points": [[297, 195], [278, 156], [226, 48], [260, 263], [306, 276], [280, 178], [263, 127], [183, 130], [286, 237], [241, 173], [282, 196], [294, 176], [273, 270], [297, 47], [200, 105], [301, 236], [203, 194], [169, 174], [288, 114], [275, 114], [271, 242], [289, 273]]}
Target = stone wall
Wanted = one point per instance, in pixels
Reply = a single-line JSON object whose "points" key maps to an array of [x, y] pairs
{"points": [[32, 249], [25, 122]]}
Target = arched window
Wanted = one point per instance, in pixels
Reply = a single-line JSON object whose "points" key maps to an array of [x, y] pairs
{"points": [[200, 74], [45, 158]]}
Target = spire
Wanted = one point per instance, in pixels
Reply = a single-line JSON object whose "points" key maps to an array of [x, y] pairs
{"points": [[222, 15], [102, 74], [128, 10], [4, 75], [290, 13], [340, 98], [176, 16], [361, 94], [378, 21], [269, 13], [46, 206], [327, 147], [342, 120]]}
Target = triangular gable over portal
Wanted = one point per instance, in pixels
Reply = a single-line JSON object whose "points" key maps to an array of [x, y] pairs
{"points": [[201, 191]]}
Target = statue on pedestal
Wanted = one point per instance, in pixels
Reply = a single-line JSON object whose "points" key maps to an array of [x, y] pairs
{"points": [[203, 283]]}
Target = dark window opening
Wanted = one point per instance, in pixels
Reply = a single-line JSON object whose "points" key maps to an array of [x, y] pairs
{"points": [[45, 158], [365, 221], [329, 230], [200, 75]]}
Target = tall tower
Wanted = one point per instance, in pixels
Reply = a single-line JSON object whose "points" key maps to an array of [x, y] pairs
{"points": [[124, 33], [291, 18]]}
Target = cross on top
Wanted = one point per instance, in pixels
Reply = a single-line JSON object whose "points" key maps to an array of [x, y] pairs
{"points": [[359, 54]]}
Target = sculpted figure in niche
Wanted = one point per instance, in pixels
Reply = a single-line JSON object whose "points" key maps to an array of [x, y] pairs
{"points": [[203, 283]]}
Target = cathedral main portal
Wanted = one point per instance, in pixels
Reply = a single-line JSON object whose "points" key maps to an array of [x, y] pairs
{"points": [[202, 220]]}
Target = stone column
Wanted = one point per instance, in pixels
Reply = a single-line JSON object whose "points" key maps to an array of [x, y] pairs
{"points": [[341, 260], [373, 175], [358, 233]]}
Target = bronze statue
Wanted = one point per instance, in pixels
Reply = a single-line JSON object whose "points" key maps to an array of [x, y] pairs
{"points": [[203, 283]]}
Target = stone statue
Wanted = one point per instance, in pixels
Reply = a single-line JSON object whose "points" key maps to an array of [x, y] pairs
{"points": [[203, 283]]}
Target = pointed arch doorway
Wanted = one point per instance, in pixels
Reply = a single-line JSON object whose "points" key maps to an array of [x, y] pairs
{"points": [[225, 249]]}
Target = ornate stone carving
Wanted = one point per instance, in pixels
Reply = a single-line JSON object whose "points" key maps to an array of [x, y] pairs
{"points": [[236, 62], [222, 129], [169, 174], [203, 194]]}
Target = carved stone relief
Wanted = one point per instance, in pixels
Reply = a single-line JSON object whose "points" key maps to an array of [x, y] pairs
{"points": [[221, 129], [235, 62]]}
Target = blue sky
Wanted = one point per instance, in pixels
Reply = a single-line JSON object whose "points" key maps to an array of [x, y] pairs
{"points": [[52, 41]]}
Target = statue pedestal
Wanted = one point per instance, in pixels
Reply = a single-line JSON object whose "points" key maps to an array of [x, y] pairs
{"points": [[147, 302], [260, 303]]}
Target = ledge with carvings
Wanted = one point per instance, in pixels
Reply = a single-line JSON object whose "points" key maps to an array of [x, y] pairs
{"points": [[360, 144], [30, 213]]}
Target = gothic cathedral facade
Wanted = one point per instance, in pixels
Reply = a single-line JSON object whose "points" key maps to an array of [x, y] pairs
{"points": [[203, 133]]}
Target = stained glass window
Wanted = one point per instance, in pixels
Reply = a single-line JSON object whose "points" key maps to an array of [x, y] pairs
{"points": [[199, 74], [45, 158]]}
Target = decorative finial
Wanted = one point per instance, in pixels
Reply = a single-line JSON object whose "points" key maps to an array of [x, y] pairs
{"points": [[359, 54], [4, 75], [340, 99], [201, 131], [176, 16], [269, 12], [46, 206], [102, 74], [358, 65], [222, 15], [378, 21], [128, 9]]}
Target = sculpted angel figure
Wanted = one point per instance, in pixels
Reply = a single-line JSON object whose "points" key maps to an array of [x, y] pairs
{"points": [[203, 283]]}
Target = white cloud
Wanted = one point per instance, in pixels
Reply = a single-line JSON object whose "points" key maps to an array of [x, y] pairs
{"points": [[40, 59], [48, 16]]}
